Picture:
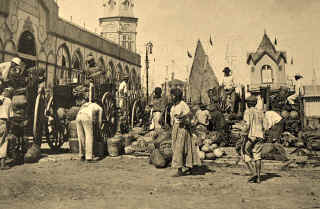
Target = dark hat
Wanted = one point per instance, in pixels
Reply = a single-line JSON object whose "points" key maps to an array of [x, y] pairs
{"points": [[226, 70], [176, 92], [202, 105], [298, 76], [158, 91]]}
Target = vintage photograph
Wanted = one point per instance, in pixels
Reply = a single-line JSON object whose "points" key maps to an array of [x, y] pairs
{"points": [[159, 104]]}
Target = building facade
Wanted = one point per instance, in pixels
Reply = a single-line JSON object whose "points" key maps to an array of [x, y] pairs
{"points": [[267, 66], [33, 30]]}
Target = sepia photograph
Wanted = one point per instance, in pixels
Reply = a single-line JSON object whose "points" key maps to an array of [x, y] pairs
{"points": [[159, 104]]}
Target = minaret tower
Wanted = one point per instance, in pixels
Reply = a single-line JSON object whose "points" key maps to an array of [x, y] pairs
{"points": [[119, 24]]}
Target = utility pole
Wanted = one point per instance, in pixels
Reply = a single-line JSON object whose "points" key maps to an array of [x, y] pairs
{"points": [[149, 47]]}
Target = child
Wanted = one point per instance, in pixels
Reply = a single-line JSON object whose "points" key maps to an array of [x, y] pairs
{"points": [[252, 147]]}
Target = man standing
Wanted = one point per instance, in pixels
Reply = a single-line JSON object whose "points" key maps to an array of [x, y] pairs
{"points": [[229, 86], [157, 105], [5, 114], [89, 120], [297, 88], [7, 69], [255, 122], [123, 91]]}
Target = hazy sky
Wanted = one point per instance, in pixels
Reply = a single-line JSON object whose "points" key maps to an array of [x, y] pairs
{"points": [[174, 26]]}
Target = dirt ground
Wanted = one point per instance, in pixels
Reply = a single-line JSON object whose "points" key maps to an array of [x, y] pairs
{"points": [[134, 184]]}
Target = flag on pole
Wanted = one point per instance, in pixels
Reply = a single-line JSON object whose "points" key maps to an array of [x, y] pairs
{"points": [[211, 42], [275, 41], [189, 54], [291, 60]]}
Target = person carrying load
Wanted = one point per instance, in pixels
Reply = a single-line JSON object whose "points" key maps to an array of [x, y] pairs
{"points": [[297, 89], [229, 86], [157, 105]]}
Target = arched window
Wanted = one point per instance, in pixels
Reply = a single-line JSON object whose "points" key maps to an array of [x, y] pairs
{"points": [[77, 63], [63, 62], [266, 74]]}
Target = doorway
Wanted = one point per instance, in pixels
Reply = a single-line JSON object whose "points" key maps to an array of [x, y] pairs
{"points": [[27, 49]]}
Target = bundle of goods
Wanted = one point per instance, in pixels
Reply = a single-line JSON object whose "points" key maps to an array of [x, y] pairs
{"points": [[274, 151], [292, 124], [288, 140], [33, 154], [210, 150], [161, 154], [311, 139]]}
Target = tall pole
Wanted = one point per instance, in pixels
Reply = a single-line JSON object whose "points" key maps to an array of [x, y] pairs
{"points": [[147, 74], [149, 46]]}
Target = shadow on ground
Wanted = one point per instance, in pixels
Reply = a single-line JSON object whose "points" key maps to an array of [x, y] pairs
{"points": [[201, 170]]}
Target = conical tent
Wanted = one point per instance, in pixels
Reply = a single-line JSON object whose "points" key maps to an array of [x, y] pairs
{"points": [[202, 77]]}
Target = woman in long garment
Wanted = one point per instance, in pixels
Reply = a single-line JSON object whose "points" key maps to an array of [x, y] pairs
{"points": [[183, 145]]}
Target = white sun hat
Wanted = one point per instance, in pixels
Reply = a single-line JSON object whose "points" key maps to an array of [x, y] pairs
{"points": [[16, 60]]}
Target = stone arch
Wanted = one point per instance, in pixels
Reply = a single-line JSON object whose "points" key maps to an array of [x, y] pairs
{"points": [[119, 72], [10, 50], [51, 59], [111, 72], [102, 66], [133, 78], [63, 72], [77, 74]]}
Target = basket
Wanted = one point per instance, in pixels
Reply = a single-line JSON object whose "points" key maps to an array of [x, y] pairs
{"points": [[114, 146]]}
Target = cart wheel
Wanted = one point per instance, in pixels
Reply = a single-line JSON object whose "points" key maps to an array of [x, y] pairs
{"points": [[39, 118], [109, 125], [136, 112]]}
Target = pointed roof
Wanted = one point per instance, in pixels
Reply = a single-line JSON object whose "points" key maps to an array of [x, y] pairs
{"points": [[202, 77], [266, 47]]}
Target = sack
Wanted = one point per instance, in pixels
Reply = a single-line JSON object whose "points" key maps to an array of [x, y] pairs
{"points": [[33, 154], [314, 144], [274, 152], [157, 159]]}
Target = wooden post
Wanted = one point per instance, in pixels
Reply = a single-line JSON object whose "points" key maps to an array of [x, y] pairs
{"points": [[91, 91], [243, 99]]}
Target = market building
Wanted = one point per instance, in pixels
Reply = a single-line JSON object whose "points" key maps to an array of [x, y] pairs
{"points": [[33, 30], [267, 66], [173, 84]]}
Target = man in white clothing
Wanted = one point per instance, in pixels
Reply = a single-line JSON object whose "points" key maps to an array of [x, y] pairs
{"points": [[8, 68], [297, 88], [89, 120], [123, 91]]}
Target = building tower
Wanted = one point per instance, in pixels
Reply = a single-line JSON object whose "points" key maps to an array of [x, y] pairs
{"points": [[119, 24]]}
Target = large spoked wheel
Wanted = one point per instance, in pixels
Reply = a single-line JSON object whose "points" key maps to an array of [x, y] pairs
{"points": [[58, 133], [136, 113], [109, 125], [58, 137], [39, 119]]}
